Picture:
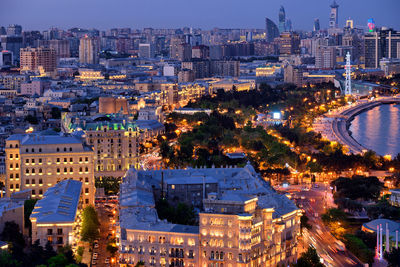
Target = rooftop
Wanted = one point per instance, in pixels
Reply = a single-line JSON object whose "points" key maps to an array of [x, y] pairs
{"points": [[59, 203], [43, 139]]}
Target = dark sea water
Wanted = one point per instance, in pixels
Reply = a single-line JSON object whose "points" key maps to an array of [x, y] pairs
{"points": [[378, 129]]}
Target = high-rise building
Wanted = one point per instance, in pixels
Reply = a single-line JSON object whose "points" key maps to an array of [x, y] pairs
{"points": [[289, 25], [317, 26], [325, 57], [89, 50], [201, 51], [37, 162], [40, 59], [175, 42], [289, 43], [13, 44], [6, 58], [282, 20], [334, 15], [184, 52], [293, 74], [146, 50], [271, 30], [14, 30], [61, 47], [384, 43]]}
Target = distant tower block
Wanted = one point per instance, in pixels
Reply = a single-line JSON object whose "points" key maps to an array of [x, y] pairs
{"points": [[347, 90]]}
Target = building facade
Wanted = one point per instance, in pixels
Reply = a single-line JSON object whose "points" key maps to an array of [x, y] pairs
{"points": [[384, 43], [38, 59], [114, 138], [89, 50], [37, 162], [242, 222]]}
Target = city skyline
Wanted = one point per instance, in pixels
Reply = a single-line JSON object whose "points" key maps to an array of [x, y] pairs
{"points": [[42, 15]]}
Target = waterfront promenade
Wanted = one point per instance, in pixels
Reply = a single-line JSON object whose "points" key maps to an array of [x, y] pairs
{"points": [[334, 125]]}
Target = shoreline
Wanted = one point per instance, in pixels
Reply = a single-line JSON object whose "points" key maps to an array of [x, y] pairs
{"points": [[336, 127]]}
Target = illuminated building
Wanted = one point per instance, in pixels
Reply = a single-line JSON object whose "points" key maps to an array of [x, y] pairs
{"points": [[243, 221], [38, 161], [56, 217], [90, 75], [13, 81], [35, 59], [289, 43], [114, 139], [89, 50], [268, 71]]}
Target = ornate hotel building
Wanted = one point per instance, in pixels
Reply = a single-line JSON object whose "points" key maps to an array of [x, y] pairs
{"points": [[38, 161], [114, 139], [243, 222]]}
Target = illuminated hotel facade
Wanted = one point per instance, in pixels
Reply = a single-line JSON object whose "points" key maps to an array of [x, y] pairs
{"points": [[242, 222], [37, 162], [114, 139]]}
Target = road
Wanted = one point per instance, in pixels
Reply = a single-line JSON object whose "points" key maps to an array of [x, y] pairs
{"points": [[106, 218], [314, 202]]}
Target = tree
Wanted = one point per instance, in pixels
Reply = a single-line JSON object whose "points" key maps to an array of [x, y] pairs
{"points": [[304, 222], [309, 259], [11, 234], [58, 260], [393, 257], [6, 260], [29, 205], [112, 248], [90, 225]]}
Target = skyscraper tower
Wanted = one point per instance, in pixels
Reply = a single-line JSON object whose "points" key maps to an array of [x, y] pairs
{"points": [[334, 17], [282, 20], [316, 25], [271, 30], [89, 50]]}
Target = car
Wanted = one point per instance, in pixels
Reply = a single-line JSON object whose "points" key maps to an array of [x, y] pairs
{"points": [[107, 261], [95, 256], [303, 197], [96, 245], [94, 262]]}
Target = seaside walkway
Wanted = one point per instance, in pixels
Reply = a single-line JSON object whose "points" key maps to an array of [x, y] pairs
{"points": [[334, 125]]}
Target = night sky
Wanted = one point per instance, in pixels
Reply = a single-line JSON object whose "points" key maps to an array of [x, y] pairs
{"points": [[206, 14]]}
